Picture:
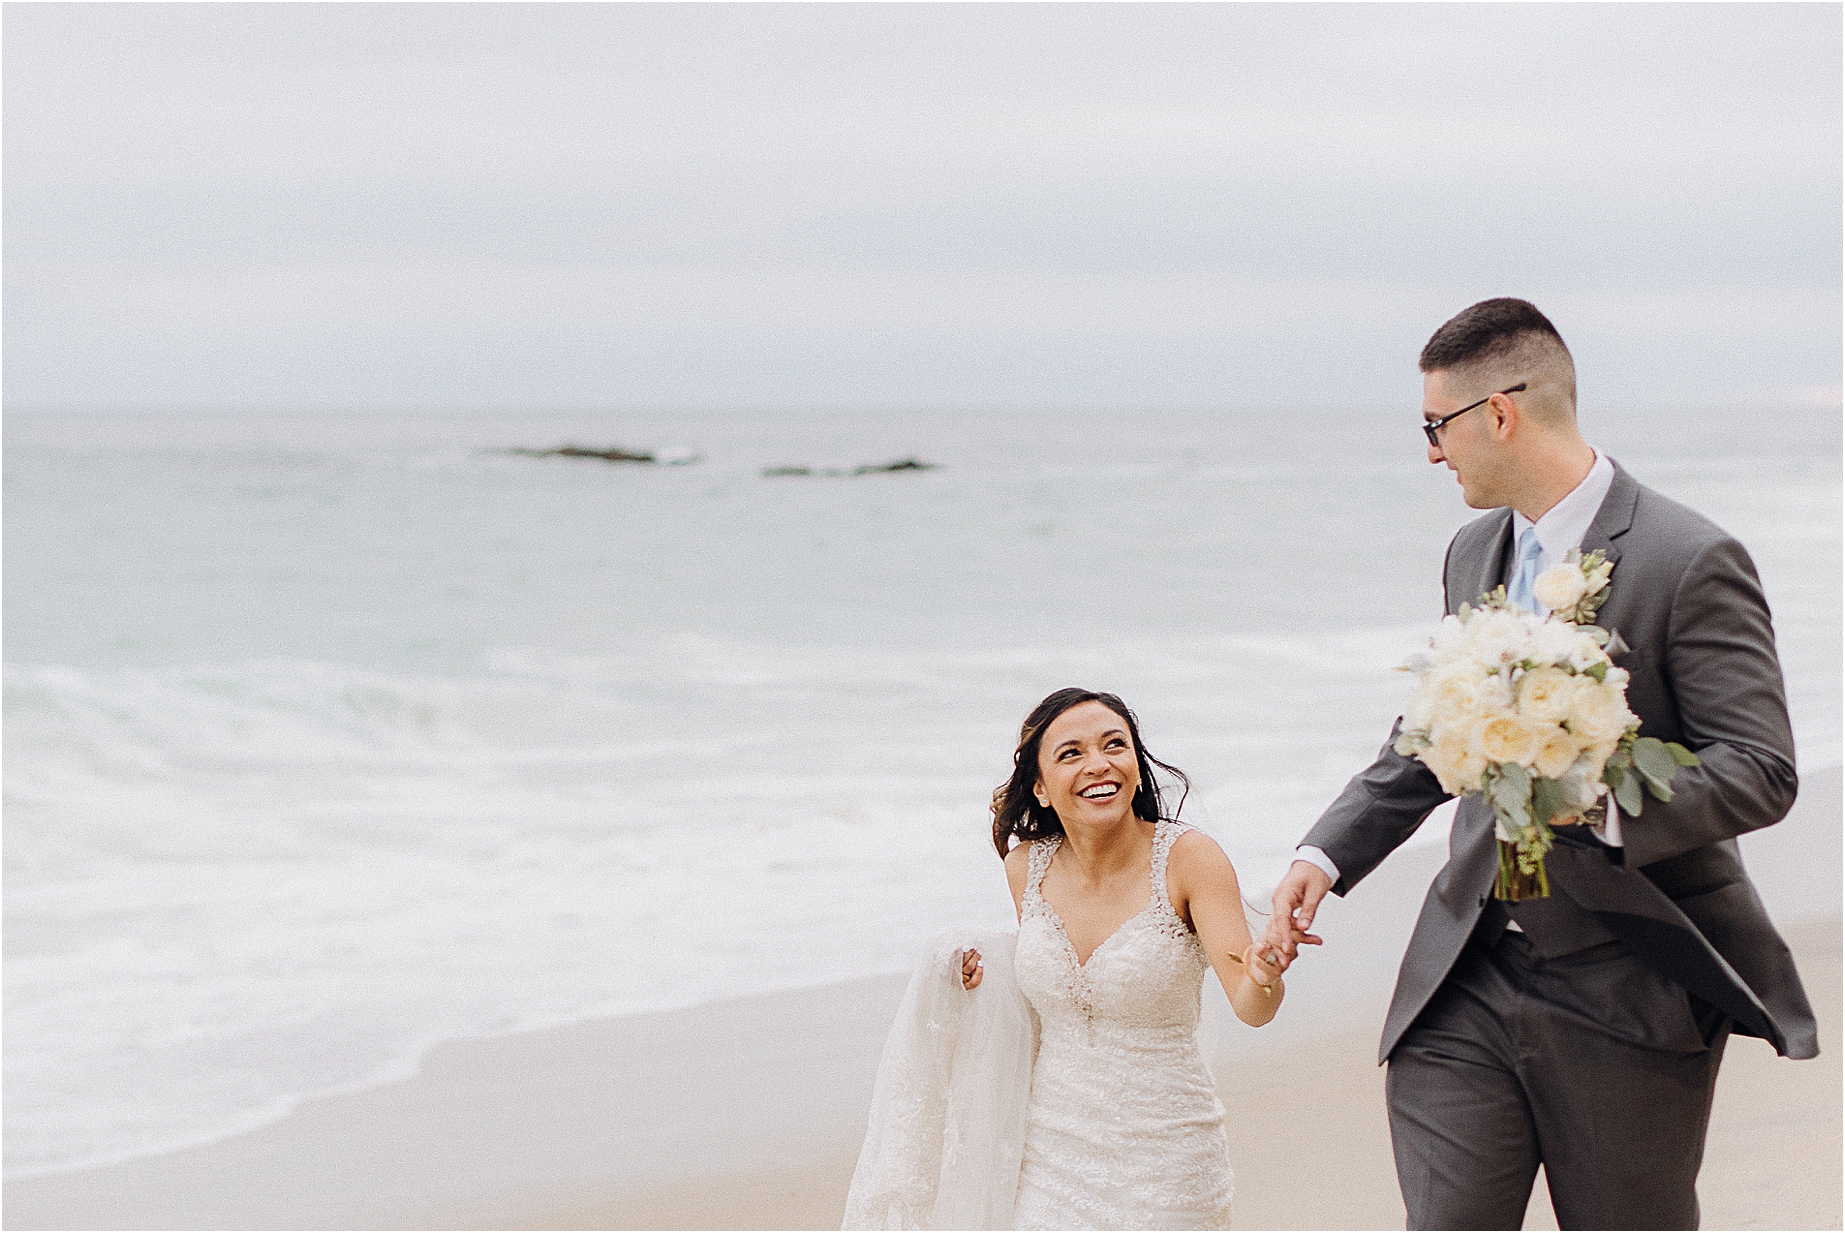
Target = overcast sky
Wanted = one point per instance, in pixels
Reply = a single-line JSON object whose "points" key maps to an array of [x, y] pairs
{"points": [[581, 205]]}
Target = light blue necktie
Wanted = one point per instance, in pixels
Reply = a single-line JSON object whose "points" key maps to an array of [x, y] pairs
{"points": [[1519, 589]]}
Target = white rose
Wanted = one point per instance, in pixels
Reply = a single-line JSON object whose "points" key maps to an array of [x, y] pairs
{"points": [[1493, 695], [1585, 654], [1554, 642], [1496, 638], [1581, 782], [1450, 640], [1560, 587]]}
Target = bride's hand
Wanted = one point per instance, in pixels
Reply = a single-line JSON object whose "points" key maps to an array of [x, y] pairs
{"points": [[1263, 965], [971, 969]]}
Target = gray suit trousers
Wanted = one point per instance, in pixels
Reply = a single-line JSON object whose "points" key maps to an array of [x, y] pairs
{"points": [[1590, 1064]]}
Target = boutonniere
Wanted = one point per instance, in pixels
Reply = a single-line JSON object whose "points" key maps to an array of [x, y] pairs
{"points": [[1574, 590]]}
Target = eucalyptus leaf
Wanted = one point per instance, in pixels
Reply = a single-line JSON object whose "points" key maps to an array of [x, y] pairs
{"points": [[1654, 760], [1511, 797], [1516, 815], [1598, 671], [1661, 790], [1627, 794], [1548, 799], [1681, 755]]}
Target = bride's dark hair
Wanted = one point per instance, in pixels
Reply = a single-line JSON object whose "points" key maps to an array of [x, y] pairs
{"points": [[1016, 812]]}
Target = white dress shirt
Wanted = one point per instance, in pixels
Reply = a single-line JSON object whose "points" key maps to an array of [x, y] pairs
{"points": [[1559, 530]]}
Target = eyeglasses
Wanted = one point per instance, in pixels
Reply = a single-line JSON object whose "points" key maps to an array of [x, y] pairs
{"points": [[1431, 427]]}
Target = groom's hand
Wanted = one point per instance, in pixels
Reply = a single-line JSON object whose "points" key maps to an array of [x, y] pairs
{"points": [[1296, 900]]}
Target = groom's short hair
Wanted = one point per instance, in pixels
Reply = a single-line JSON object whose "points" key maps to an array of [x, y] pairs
{"points": [[1501, 342]]}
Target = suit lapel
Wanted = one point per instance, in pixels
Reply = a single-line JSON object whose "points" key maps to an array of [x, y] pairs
{"points": [[1615, 516], [1487, 570]]}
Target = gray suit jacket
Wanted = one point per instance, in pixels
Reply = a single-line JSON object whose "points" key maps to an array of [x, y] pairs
{"points": [[1703, 671]]}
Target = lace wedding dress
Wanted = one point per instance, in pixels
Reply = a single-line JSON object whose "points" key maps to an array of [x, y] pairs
{"points": [[1058, 1095], [1124, 1129]]}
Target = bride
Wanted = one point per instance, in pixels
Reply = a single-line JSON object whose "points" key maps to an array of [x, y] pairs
{"points": [[1068, 1091]]}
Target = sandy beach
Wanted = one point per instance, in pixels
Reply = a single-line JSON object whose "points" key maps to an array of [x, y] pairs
{"points": [[747, 1113]]}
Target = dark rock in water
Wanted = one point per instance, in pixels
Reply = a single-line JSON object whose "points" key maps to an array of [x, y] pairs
{"points": [[612, 454], [902, 464]]}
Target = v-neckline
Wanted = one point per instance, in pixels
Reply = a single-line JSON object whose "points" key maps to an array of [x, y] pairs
{"points": [[1082, 965], [1063, 932]]}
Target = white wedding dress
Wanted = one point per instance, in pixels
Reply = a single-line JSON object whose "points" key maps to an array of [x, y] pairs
{"points": [[1115, 1124]]}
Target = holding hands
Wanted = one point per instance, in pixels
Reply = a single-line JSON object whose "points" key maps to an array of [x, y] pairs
{"points": [[1264, 967], [1297, 898]]}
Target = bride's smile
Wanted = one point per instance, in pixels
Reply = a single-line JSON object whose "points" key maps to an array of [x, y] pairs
{"points": [[1092, 772]]}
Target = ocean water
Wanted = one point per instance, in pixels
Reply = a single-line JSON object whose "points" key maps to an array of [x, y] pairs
{"points": [[330, 737]]}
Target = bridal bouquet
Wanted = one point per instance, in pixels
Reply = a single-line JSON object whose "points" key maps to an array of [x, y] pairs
{"points": [[1529, 712]]}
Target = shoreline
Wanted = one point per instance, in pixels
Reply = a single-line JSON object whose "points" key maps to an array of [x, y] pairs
{"points": [[748, 1112]]}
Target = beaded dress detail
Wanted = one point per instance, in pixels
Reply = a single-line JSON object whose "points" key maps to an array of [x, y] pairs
{"points": [[1124, 1127]]}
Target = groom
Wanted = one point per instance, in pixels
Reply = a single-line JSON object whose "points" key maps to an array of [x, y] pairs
{"points": [[1581, 1031]]}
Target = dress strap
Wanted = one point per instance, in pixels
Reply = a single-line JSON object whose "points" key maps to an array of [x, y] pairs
{"points": [[1164, 834], [1041, 852]]}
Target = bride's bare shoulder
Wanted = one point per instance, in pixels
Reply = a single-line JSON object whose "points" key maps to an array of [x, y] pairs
{"points": [[1018, 868], [1197, 855]]}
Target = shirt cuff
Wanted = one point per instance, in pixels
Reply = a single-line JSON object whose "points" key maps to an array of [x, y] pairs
{"points": [[1610, 831], [1318, 859]]}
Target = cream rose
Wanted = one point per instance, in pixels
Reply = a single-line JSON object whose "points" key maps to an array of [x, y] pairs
{"points": [[1560, 587], [1451, 690], [1507, 738], [1458, 766], [1544, 694], [1598, 713], [1595, 757], [1556, 754]]}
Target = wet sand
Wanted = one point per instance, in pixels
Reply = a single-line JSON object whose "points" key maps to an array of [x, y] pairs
{"points": [[747, 1113]]}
